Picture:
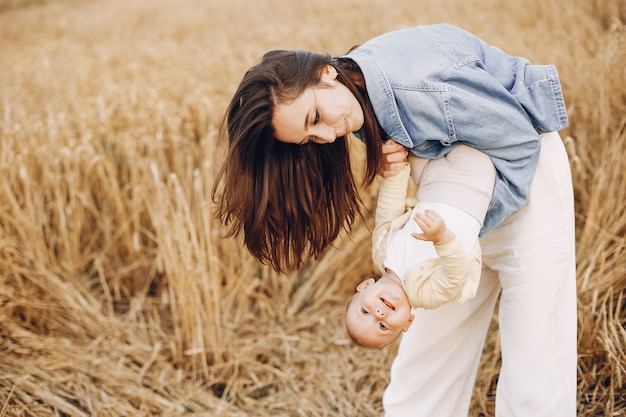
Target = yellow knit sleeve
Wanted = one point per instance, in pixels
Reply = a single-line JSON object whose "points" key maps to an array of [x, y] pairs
{"points": [[434, 282]]}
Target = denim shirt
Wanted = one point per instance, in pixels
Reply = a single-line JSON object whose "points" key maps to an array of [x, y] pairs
{"points": [[433, 87]]}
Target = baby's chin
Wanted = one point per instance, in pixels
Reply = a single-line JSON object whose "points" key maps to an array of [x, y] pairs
{"points": [[390, 339]]}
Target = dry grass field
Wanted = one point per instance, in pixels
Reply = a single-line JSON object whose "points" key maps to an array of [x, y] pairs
{"points": [[118, 294]]}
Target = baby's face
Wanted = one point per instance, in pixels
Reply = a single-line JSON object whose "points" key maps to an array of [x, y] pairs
{"points": [[378, 312]]}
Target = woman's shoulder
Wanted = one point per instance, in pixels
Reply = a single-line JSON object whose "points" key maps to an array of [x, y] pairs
{"points": [[416, 35], [430, 51]]}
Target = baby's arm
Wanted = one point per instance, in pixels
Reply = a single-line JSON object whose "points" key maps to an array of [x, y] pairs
{"points": [[390, 208], [392, 195], [435, 282]]}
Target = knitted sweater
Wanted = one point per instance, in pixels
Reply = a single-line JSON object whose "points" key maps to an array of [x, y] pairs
{"points": [[462, 180]]}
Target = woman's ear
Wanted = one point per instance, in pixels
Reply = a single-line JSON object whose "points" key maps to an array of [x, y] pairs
{"points": [[364, 284], [329, 73]]}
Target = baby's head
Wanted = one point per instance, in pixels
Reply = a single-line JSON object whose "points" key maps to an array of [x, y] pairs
{"points": [[378, 312]]}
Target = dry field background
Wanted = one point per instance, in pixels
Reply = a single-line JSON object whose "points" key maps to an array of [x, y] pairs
{"points": [[118, 296]]}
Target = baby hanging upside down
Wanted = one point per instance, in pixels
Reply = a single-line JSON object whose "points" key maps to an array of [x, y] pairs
{"points": [[426, 246]]}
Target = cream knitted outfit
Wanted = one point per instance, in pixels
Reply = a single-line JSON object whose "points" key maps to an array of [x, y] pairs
{"points": [[459, 187]]}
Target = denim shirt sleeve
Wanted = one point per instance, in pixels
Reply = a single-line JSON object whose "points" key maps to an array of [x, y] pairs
{"points": [[434, 86], [536, 88]]}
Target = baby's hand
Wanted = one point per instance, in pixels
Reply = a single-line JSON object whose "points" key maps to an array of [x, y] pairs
{"points": [[433, 228]]}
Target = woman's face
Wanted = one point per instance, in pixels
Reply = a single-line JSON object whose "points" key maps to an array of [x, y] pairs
{"points": [[320, 114]]}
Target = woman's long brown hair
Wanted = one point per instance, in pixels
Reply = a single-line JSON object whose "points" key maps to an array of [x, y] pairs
{"points": [[290, 201]]}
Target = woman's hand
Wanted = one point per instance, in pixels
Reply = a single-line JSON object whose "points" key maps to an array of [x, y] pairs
{"points": [[395, 157]]}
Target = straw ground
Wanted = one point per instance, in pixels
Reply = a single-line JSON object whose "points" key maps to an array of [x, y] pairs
{"points": [[118, 295]]}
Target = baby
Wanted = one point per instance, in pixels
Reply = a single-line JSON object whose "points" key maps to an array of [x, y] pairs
{"points": [[426, 247]]}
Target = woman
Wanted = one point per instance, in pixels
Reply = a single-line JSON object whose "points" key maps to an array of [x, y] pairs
{"points": [[428, 89]]}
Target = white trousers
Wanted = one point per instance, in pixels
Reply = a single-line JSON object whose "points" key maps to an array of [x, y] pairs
{"points": [[529, 261]]}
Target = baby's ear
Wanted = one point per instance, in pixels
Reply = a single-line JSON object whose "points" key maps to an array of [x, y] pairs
{"points": [[364, 284], [408, 324]]}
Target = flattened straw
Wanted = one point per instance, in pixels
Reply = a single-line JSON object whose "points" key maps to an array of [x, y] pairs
{"points": [[15, 384]]}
